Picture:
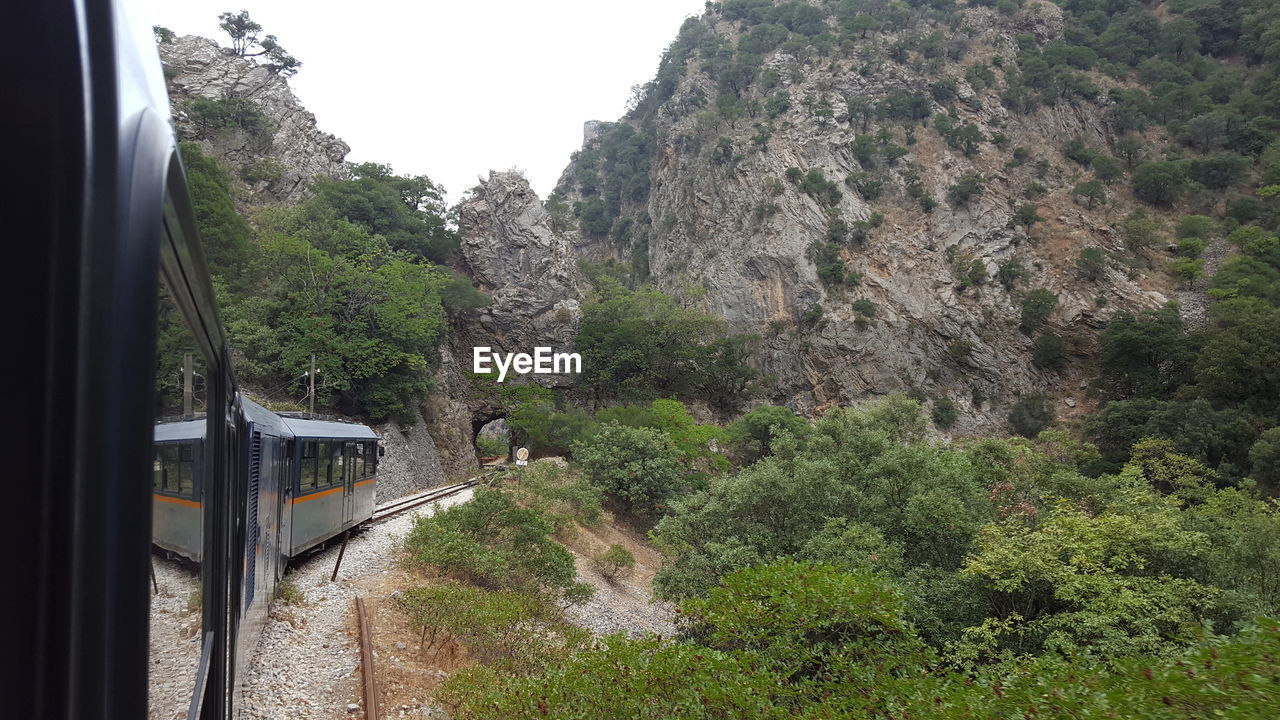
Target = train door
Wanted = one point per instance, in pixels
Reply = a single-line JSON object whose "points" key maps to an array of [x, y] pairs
{"points": [[348, 484], [284, 532]]}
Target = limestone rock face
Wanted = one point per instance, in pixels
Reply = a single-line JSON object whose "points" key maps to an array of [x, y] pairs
{"points": [[411, 463], [512, 254], [731, 234], [287, 135]]}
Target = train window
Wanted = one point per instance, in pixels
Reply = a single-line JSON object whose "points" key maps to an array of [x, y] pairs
{"points": [[326, 463], [362, 461], [338, 466], [169, 473], [371, 457], [310, 476], [186, 470], [179, 400], [353, 461]]}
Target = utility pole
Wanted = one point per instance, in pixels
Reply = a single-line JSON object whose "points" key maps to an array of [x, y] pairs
{"points": [[311, 392], [187, 400]]}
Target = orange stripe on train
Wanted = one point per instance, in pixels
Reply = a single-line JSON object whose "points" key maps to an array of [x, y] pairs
{"points": [[176, 500]]}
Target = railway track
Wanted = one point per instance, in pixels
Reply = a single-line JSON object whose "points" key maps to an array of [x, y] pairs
{"points": [[399, 505]]}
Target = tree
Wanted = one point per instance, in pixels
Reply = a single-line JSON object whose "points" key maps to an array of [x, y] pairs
{"points": [[639, 466], [1031, 414], [1264, 458], [244, 34], [965, 189], [1196, 226], [1145, 355], [1036, 307], [638, 344], [752, 435], [409, 211], [1049, 351], [1010, 271], [1159, 183], [1139, 230], [866, 464], [1092, 263], [944, 412], [1130, 149], [243, 31], [1106, 581], [1092, 191]]}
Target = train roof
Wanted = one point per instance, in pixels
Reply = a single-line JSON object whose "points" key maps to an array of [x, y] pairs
{"points": [[183, 430], [329, 429]]}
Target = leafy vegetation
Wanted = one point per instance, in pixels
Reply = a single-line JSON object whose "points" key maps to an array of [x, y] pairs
{"points": [[636, 344], [347, 275]]}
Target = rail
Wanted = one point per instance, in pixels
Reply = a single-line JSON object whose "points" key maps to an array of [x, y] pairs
{"points": [[399, 505], [366, 663]]}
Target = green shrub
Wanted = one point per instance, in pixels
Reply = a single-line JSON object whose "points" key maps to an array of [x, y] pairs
{"points": [[1036, 308], [1049, 351], [1031, 414], [965, 189], [944, 412], [639, 466], [489, 446], [864, 307], [288, 592], [1092, 263], [495, 626], [493, 542], [752, 435], [615, 562]]}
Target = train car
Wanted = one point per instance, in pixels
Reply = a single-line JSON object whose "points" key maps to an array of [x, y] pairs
{"points": [[306, 481], [177, 486], [335, 480], [105, 217]]}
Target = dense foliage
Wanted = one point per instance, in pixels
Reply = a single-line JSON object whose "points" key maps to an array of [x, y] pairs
{"points": [[639, 343], [346, 275]]}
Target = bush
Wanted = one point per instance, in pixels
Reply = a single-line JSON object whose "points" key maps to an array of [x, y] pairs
{"points": [[495, 626], [864, 307], [1036, 308], [1032, 414], [489, 446], [494, 543], [639, 466], [1049, 351], [288, 592], [944, 412], [614, 563], [1010, 271], [752, 435], [965, 189], [1159, 183], [1092, 263]]}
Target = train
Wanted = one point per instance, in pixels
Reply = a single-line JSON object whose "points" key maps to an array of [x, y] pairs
{"points": [[101, 218], [309, 479]]}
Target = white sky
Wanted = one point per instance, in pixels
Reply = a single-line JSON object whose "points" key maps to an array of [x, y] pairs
{"points": [[454, 89]]}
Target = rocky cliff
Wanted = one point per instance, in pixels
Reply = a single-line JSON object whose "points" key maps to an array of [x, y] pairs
{"points": [[816, 207], [244, 114]]}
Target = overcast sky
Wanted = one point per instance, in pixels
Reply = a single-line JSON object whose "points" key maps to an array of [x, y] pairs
{"points": [[454, 89]]}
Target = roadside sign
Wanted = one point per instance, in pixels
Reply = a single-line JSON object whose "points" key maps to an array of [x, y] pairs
{"points": [[522, 456]]}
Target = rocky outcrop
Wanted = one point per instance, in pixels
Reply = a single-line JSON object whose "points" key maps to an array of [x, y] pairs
{"points": [[276, 149], [733, 235], [510, 252], [411, 462]]}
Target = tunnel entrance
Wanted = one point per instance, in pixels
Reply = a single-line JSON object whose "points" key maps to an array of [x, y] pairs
{"points": [[491, 439]]}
